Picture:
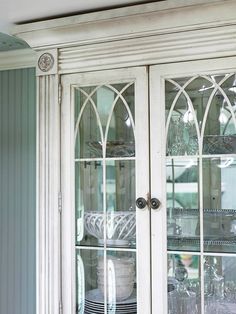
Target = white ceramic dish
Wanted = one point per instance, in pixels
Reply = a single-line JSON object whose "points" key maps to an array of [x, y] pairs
{"points": [[95, 296], [120, 226]]}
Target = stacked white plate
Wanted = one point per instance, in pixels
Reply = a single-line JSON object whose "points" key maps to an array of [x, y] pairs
{"points": [[94, 304]]}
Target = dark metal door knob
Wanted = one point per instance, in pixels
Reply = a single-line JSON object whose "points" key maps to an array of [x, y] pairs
{"points": [[141, 203], [155, 203]]}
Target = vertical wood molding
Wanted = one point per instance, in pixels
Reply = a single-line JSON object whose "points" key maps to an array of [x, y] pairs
{"points": [[48, 187]]}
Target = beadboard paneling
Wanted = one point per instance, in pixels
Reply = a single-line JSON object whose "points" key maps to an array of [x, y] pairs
{"points": [[17, 191]]}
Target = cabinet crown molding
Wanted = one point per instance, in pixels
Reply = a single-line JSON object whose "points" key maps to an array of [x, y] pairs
{"points": [[137, 21]]}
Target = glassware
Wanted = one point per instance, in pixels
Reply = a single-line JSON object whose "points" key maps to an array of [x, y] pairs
{"points": [[208, 276], [218, 287], [173, 302], [186, 299]]}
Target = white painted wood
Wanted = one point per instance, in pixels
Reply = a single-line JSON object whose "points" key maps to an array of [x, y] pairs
{"points": [[161, 32], [17, 59], [158, 190], [155, 49], [137, 21], [53, 53], [48, 186], [139, 76], [158, 74]]}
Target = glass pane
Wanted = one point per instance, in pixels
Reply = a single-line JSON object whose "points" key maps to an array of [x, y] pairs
{"points": [[182, 204], [220, 284], [105, 279], [171, 93], [210, 195], [121, 281], [182, 134], [102, 109], [229, 87], [105, 207], [104, 98], [219, 133], [120, 138], [183, 284], [120, 195], [88, 142], [87, 291], [199, 91], [89, 202], [219, 204], [218, 78]]}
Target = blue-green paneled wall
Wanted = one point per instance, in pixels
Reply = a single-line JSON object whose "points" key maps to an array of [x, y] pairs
{"points": [[17, 191]]}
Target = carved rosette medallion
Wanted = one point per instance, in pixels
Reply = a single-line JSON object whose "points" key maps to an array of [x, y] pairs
{"points": [[45, 62]]}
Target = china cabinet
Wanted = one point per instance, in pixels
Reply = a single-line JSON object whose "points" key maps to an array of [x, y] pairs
{"points": [[185, 155], [137, 148]]}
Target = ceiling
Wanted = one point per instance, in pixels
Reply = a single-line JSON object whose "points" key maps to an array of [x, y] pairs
{"points": [[28, 10], [23, 11]]}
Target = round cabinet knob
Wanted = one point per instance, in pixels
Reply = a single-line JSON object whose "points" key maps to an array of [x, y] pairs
{"points": [[141, 203], [155, 203]]}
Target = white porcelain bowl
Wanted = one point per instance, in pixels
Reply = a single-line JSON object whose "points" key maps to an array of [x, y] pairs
{"points": [[118, 292], [117, 283], [121, 226], [120, 276], [118, 262]]}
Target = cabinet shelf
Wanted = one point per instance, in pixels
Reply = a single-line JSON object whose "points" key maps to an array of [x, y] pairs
{"points": [[175, 240], [194, 211]]}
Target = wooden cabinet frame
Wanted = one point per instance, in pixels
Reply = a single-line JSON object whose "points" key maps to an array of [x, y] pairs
{"points": [[157, 33]]}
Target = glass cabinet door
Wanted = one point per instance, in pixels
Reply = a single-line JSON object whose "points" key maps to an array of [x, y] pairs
{"points": [[200, 202], [106, 111]]}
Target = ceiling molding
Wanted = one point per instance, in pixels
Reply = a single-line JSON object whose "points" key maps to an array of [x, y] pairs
{"points": [[8, 43], [131, 22], [17, 59]]}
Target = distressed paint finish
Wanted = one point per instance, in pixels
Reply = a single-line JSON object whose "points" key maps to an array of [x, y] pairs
{"points": [[17, 191], [48, 188]]}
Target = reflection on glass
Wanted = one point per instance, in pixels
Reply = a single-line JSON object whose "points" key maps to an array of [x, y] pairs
{"points": [[220, 134], [220, 284], [87, 291], [89, 201], [120, 202], [109, 278], [182, 204], [104, 113], [209, 100], [105, 198], [87, 125], [183, 284], [199, 91], [120, 191], [80, 283], [121, 228], [121, 280], [171, 93], [219, 204], [120, 185], [182, 134], [120, 137]]}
